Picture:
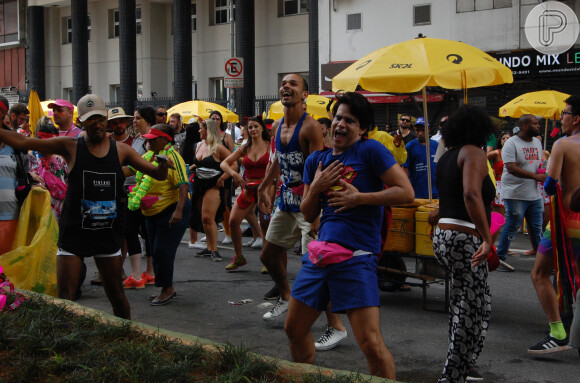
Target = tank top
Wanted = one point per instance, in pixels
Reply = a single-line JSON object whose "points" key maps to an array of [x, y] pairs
{"points": [[498, 168], [91, 221], [291, 160], [450, 186], [255, 170]]}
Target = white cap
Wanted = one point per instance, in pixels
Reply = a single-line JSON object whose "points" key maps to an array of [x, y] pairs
{"points": [[192, 120], [91, 105]]}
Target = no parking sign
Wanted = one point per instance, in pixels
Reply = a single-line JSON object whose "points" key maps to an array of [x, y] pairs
{"points": [[234, 77]]}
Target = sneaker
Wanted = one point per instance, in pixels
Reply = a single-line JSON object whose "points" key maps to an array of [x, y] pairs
{"points": [[264, 270], [236, 262], [257, 243], [279, 308], [505, 267], [330, 339], [216, 257], [220, 227], [249, 243], [196, 245], [272, 294], [97, 281], [203, 239], [247, 232], [473, 376], [132, 283], [227, 240], [148, 278], [203, 253], [550, 344]]}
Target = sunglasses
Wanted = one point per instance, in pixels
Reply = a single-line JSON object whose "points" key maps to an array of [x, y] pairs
{"points": [[405, 120], [160, 114], [90, 122], [565, 113]]}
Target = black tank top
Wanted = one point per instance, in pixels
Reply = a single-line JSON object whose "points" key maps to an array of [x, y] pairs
{"points": [[92, 217], [450, 186]]}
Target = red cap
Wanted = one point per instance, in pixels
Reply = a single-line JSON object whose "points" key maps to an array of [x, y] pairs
{"points": [[154, 133]]}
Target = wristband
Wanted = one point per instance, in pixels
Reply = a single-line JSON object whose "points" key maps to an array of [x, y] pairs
{"points": [[550, 186]]}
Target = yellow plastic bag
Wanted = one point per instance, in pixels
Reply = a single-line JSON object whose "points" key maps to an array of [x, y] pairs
{"points": [[31, 265]]}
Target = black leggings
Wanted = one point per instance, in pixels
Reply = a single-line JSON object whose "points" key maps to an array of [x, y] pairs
{"points": [[135, 225]]}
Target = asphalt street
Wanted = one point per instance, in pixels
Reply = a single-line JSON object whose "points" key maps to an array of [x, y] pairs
{"points": [[416, 337]]}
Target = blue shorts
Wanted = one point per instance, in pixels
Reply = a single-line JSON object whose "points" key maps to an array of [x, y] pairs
{"points": [[348, 285]]}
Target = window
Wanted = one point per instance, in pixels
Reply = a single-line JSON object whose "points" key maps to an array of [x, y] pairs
{"points": [[481, 5], [219, 90], [8, 21], [115, 93], [193, 17], [221, 12], [353, 22], [67, 93], [422, 14], [293, 7], [67, 29], [115, 18]]}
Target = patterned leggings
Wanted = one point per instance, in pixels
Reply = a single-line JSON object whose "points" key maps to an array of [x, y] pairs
{"points": [[470, 301]]}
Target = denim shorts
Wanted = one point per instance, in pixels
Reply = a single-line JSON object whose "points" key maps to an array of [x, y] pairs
{"points": [[348, 285]]}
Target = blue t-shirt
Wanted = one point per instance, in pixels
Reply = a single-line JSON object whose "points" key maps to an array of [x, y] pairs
{"points": [[358, 228], [417, 165]]}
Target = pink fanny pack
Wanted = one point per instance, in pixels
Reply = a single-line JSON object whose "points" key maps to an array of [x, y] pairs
{"points": [[322, 253]]}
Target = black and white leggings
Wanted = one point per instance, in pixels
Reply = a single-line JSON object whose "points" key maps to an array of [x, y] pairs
{"points": [[470, 301]]}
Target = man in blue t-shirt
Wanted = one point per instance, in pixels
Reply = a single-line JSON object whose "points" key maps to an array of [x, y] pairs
{"points": [[416, 164]]}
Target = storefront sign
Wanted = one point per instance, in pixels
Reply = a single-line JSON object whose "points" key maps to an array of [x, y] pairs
{"points": [[531, 63]]}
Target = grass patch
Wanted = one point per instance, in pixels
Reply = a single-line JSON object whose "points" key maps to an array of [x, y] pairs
{"points": [[45, 342]]}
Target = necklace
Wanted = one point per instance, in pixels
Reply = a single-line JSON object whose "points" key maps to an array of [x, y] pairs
{"points": [[144, 181]]}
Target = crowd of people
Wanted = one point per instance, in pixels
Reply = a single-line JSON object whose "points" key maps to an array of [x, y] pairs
{"points": [[130, 185]]}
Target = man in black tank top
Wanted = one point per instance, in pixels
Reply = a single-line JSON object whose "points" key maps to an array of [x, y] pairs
{"points": [[90, 225]]}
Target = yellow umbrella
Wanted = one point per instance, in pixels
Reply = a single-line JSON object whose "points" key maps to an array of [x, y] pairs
{"points": [[315, 106], [413, 65], [35, 109], [545, 103], [197, 108], [48, 112]]}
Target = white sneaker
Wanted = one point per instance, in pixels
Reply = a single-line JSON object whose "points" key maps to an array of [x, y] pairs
{"points": [[203, 239], [257, 243], [330, 339], [197, 245], [227, 240], [279, 308], [249, 243]]}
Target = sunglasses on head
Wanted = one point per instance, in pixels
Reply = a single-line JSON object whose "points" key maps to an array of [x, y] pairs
{"points": [[161, 114], [405, 120]]}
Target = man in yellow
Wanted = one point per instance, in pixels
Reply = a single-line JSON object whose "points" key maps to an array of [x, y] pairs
{"points": [[394, 144]]}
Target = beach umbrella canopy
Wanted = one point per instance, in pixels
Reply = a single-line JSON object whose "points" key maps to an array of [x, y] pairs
{"points": [[545, 103], [315, 106], [35, 109], [48, 112], [201, 109], [413, 65]]}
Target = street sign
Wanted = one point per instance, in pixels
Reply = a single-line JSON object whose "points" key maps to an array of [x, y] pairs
{"points": [[234, 77]]}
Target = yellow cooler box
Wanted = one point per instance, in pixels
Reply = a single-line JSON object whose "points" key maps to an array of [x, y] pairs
{"points": [[423, 241], [401, 237]]}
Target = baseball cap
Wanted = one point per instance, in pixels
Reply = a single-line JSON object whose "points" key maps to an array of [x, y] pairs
{"points": [[117, 112], [61, 102], [91, 105], [192, 120], [154, 133], [420, 121]]}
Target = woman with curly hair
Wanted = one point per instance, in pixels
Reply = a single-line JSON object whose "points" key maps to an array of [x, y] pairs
{"points": [[462, 239], [256, 153]]}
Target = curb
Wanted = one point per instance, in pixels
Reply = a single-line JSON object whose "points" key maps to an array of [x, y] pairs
{"points": [[285, 366]]}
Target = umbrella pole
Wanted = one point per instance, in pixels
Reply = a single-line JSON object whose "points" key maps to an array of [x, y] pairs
{"points": [[427, 142], [546, 134]]}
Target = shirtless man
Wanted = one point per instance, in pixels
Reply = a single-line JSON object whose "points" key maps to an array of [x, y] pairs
{"points": [[564, 169], [89, 224]]}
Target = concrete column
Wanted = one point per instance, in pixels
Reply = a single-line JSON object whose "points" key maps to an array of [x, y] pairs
{"points": [[246, 48], [182, 50], [35, 62], [80, 49], [313, 64], [127, 55]]}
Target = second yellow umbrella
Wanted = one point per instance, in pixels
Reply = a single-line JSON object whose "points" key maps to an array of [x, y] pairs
{"points": [[198, 108], [315, 106], [545, 103]]}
